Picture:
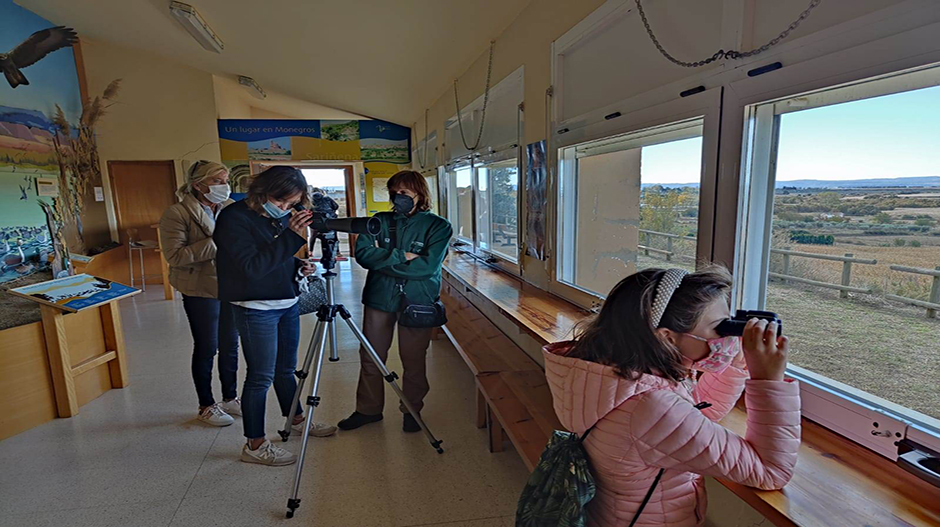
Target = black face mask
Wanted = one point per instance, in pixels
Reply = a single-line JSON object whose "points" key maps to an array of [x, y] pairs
{"points": [[403, 204]]}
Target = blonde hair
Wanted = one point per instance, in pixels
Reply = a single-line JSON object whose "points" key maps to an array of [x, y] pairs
{"points": [[197, 172]]}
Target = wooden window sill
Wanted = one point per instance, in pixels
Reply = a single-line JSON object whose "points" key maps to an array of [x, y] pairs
{"points": [[836, 482]]}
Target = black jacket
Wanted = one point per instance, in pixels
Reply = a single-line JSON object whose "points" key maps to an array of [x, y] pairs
{"points": [[255, 257]]}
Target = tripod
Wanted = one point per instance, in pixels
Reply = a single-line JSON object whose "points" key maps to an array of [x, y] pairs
{"points": [[326, 318]]}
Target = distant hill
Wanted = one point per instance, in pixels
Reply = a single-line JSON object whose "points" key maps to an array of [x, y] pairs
{"points": [[29, 118], [926, 181]]}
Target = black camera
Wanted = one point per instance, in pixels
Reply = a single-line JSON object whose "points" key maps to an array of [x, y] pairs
{"points": [[734, 326], [324, 218]]}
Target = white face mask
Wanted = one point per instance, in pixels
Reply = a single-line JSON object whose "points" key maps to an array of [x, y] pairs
{"points": [[218, 193]]}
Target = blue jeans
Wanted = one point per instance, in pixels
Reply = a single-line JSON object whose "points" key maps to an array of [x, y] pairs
{"points": [[269, 340], [213, 328]]}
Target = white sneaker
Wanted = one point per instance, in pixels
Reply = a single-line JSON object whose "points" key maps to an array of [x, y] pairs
{"points": [[316, 429], [268, 454], [215, 416], [233, 407]]}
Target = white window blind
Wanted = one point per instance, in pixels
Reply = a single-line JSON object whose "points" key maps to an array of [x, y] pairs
{"points": [[501, 128], [419, 160], [608, 57]]}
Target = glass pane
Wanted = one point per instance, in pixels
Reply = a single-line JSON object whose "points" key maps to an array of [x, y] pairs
{"points": [[850, 187], [332, 181], [483, 208], [504, 178], [464, 215], [629, 204], [432, 186]]}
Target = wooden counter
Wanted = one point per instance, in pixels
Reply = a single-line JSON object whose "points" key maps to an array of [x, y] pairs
{"points": [[836, 483]]}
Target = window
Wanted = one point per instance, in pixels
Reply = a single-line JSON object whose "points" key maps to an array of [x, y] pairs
{"points": [[841, 238], [498, 185], [432, 187], [629, 202], [485, 211], [463, 201]]}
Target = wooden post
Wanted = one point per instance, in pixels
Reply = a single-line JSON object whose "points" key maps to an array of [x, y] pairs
{"points": [[786, 265], [497, 436], [646, 252], [669, 248], [60, 362], [934, 295], [114, 341], [482, 409], [846, 275]]}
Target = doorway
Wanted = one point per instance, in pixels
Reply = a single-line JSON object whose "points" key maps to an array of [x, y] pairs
{"points": [[142, 190], [337, 182]]}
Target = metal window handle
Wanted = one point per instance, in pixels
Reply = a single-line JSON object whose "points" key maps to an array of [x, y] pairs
{"points": [[921, 463]]}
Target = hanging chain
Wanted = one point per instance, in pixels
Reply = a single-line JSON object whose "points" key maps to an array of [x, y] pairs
{"points": [[414, 133], [731, 54], [486, 98]]}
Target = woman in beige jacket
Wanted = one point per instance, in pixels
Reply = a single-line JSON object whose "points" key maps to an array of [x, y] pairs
{"points": [[186, 233]]}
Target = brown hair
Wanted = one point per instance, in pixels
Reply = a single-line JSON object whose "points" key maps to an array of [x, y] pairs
{"points": [[622, 335], [278, 182], [415, 182]]}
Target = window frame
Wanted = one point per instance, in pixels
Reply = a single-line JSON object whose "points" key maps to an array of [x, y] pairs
{"points": [[849, 411], [508, 264], [473, 244], [635, 117]]}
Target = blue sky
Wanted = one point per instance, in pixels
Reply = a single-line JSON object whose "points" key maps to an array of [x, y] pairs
{"points": [[884, 137], [52, 80]]}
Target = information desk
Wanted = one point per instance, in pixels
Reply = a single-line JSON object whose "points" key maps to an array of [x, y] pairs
{"points": [[836, 482]]}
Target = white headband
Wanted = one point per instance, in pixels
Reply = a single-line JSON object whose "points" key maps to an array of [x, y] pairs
{"points": [[664, 290]]}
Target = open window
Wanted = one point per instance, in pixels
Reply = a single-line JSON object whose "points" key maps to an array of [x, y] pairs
{"points": [[840, 235]]}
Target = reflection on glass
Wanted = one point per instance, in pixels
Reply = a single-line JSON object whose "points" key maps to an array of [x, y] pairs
{"points": [[629, 203], [464, 203]]}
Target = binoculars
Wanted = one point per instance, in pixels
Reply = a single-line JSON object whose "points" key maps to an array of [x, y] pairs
{"points": [[734, 326]]}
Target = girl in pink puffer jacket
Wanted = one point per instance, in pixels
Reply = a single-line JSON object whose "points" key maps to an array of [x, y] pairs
{"points": [[628, 377]]}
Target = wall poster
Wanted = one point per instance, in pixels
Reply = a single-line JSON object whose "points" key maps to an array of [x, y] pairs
{"points": [[383, 147], [536, 179]]}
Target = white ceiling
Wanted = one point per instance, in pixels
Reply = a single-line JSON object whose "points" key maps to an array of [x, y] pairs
{"points": [[385, 59]]}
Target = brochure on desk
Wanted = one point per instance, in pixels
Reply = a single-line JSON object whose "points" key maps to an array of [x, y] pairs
{"points": [[74, 293]]}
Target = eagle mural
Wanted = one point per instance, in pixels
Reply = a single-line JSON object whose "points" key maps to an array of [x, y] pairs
{"points": [[34, 49]]}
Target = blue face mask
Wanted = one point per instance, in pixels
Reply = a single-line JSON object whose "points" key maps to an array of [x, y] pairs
{"points": [[274, 211]]}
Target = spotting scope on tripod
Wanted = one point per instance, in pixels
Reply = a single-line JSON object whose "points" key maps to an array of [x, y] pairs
{"points": [[325, 327]]}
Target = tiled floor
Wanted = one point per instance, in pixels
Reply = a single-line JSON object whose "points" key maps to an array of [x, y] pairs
{"points": [[136, 457]]}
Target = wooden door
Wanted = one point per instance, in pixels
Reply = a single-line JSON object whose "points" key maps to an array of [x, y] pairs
{"points": [[142, 190]]}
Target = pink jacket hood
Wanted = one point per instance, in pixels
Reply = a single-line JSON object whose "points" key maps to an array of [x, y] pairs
{"points": [[584, 392]]}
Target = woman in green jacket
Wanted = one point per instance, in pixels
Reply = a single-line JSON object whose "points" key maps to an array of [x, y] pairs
{"points": [[414, 260]]}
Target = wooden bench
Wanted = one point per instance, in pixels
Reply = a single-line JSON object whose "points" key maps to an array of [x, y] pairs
{"points": [[513, 398]]}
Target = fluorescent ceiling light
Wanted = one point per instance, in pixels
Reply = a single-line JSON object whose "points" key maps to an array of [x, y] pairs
{"points": [[253, 87], [193, 22]]}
